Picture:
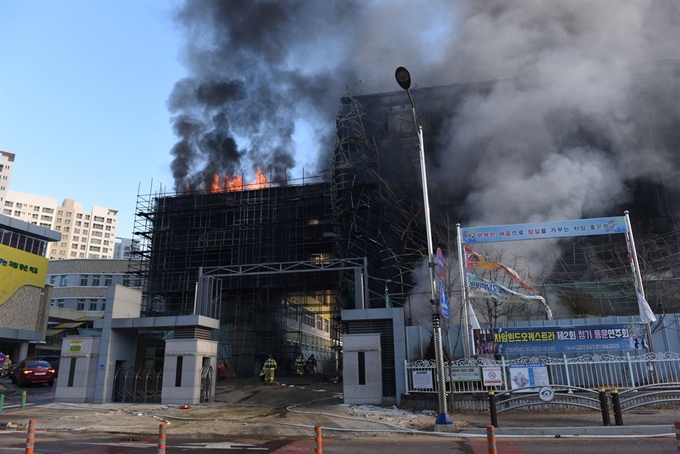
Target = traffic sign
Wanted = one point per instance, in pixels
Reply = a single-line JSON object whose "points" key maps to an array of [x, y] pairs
{"points": [[440, 263], [3, 358]]}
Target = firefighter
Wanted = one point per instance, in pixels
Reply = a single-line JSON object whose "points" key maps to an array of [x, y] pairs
{"points": [[311, 365], [300, 364], [269, 368]]}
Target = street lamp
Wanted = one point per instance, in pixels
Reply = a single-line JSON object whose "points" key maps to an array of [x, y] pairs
{"points": [[443, 419]]}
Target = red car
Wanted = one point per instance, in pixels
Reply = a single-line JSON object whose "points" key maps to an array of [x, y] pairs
{"points": [[30, 372]]}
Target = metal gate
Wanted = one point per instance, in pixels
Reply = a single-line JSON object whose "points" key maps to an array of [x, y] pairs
{"points": [[130, 385]]}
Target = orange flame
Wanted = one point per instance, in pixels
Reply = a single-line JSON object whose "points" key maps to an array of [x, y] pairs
{"points": [[235, 183]]}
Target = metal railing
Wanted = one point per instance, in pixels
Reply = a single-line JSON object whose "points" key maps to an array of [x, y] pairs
{"points": [[587, 371], [130, 385]]}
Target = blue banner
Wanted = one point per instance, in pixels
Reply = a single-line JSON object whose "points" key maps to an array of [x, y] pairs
{"points": [[444, 301], [560, 339], [542, 230]]}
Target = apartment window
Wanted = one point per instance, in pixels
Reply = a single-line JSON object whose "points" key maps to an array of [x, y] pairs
{"points": [[98, 226], [76, 230], [60, 303], [17, 213], [109, 221], [67, 229], [81, 305], [107, 235], [82, 247], [87, 217], [93, 305], [76, 238], [83, 279], [63, 280], [48, 211], [36, 208], [99, 234], [73, 254], [78, 223], [95, 280], [103, 305], [57, 228], [95, 249], [108, 228], [9, 204], [7, 211], [96, 241], [63, 244], [44, 224], [53, 281], [98, 219], [45, 218], [81, 255], [86, 225], [85, 232], [79, 216], [108, 278], [105, 250], [62, 252], [93, 256], [74, 246], [58, 220], [20, 205], [106, 242], [68, 214], [67, 222], [35, 216]]}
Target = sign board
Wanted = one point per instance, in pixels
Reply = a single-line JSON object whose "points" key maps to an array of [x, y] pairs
{"points": [[522, 375], [3, 358], [441, 265], [75, 346], [422, 379], [473, 373], [444, 301], [492, 376]]}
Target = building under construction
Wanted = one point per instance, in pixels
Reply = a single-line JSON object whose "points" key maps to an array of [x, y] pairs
{"points": [[285, 259]]}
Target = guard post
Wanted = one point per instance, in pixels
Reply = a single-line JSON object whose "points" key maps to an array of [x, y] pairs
{"points": [[492, 408], [616, 405], [604, 406]]}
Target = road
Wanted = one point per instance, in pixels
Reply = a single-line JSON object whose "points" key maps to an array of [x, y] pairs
{"points": [[57, 443]]}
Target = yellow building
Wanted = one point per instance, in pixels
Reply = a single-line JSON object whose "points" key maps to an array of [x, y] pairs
{"points": [[24, 295]]}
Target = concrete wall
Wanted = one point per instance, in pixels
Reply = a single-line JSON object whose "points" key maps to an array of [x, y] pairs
{"points": [[194, 354], [355, 391], [78, 369]]}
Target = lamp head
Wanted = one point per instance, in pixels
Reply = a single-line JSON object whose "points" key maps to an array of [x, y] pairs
{"points": [[403, 77]]}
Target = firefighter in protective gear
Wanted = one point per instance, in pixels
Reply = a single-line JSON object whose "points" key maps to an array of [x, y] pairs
{"points": [[269, 368], [300, 364], [311, 365]]}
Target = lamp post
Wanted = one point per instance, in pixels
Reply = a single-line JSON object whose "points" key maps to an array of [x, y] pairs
{"points": [[443, 419]]}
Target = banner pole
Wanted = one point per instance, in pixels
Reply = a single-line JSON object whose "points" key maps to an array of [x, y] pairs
{"points": [[637, 276], [463, 293]]}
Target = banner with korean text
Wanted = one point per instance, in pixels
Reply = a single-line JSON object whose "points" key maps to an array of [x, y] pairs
{"points": [[560, 339]]}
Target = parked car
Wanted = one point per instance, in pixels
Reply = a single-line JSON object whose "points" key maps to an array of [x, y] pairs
{"points": [[30, 372]]}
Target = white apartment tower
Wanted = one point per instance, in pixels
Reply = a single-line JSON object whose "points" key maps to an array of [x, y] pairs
{"points": [[6, 164], [84, 234]]}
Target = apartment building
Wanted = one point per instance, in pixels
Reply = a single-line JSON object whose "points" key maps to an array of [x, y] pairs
{"points": [[6, 165], [85, 234]]}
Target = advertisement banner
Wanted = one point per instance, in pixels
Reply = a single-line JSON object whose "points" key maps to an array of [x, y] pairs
{"points": [[560, 339], [19, 268], [542, 230]]}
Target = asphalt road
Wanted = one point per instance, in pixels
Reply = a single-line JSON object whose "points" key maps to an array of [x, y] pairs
{"points": [[57, 443]]}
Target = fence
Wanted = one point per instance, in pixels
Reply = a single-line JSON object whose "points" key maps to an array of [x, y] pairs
{"points": [[588, 371]]}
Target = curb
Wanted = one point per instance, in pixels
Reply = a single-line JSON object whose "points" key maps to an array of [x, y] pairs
{"points": [[576, 431]]}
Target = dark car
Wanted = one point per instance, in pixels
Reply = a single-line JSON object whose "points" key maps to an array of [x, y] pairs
{"points": [[30, 372]]}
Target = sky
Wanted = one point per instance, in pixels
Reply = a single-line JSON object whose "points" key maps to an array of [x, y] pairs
{"points": [[83, 92]]}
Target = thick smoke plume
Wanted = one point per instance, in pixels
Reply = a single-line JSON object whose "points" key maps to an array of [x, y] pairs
{"points": [[260, 70]]}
